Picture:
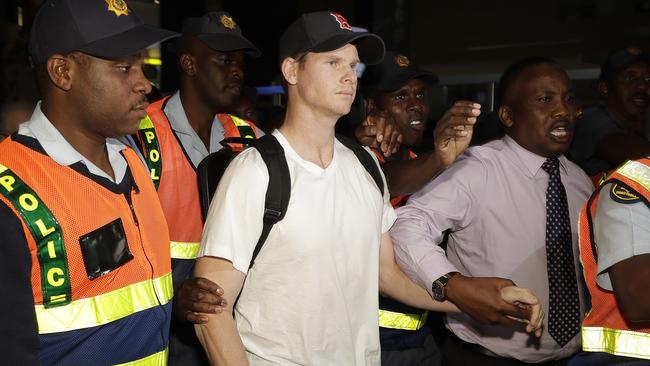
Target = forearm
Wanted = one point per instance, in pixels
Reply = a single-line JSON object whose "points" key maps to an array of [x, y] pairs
{"points": [[408, 176], [395, 284], [221, 340]]}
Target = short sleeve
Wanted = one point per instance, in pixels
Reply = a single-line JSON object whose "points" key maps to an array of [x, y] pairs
{"points": [[621, 231], [234, 221]]}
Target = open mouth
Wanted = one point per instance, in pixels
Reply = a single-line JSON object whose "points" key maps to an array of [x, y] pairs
{"points": [[562, 131], [640, 100], [417, 125]]}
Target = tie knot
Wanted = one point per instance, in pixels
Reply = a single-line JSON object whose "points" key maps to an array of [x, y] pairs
{"points": [[551, 166]]}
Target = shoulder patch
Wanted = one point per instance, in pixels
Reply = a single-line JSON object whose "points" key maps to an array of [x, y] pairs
{"points": [[623, 195]]}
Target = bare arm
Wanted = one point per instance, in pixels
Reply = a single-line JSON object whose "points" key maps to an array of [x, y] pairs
{"points": [[219, 336], [395, 284], [632, 293], [452, 136]]}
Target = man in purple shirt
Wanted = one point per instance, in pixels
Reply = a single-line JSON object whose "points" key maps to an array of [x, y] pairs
{"points": [[493, 202]]}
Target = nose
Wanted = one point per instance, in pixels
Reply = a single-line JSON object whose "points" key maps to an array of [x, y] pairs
{"points": [[415, 105], [350, 76], [142, 84], [237, 71], [564, 110]]}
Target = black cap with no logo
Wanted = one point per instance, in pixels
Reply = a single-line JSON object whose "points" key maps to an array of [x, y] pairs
{"points": [[325, 31], [101, 28], [220, 32]]}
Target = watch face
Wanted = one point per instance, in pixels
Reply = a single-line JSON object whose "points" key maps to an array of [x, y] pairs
{"points": [[438, 291]]}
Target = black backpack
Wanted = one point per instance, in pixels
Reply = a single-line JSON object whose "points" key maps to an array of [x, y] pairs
{"points": [[278, 191]]}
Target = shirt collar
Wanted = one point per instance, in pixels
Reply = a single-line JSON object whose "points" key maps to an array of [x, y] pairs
{"points": [[530, 160], [178, 119], [60, 150]]}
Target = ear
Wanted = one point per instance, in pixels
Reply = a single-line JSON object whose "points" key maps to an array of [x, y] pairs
{"points": [[187, 63], [505, 115], [289, 69], [60, 70], [603, 89]]}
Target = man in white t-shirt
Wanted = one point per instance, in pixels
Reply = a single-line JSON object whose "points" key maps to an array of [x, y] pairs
{"points": [[311, 297]]}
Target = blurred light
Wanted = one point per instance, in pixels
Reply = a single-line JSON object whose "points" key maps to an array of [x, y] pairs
{"points": [[19, 15], [269, 90], [153, 61]]}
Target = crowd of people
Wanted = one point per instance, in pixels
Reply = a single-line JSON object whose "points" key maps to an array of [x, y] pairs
{"points": [[532, 247]]}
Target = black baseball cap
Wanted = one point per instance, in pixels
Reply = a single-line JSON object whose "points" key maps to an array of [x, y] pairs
{"points": [[220, 32], [327, 31], [101, 28], [619, 59], [393, 72]]}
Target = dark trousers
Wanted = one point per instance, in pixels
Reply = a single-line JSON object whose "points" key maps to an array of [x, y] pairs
{"points": [[427, 355], [456, 352], [605, 359]]}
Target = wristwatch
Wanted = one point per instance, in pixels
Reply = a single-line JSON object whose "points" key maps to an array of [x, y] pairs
{"points": [[439, 286]]}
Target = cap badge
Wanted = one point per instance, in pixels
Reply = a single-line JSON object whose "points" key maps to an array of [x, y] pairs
{"points": [[118, 7], [343, 23], [227, 22], [402, 61]]}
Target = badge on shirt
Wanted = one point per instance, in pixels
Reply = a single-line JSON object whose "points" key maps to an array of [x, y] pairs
{"points": [[622, 194]]}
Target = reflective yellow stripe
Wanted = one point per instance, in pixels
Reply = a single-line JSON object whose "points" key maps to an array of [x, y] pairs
{"points": [[636, 171], [157, 359], [145, 123], [617, 342], [184, 250], [239, 121], [105, 308], [389, 319]]}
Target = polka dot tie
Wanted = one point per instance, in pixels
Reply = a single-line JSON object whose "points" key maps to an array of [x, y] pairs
{"points": [[564, 303]]}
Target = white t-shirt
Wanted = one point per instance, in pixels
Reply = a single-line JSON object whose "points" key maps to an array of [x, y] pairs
{"points": [[311, 298]]}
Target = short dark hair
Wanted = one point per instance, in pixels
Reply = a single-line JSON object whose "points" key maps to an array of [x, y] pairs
{"points": [[512, 72]]}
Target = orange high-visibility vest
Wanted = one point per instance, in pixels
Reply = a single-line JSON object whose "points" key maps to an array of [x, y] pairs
{"points": [[79, 316], [175, 177], [397, 201], [604, 328]]}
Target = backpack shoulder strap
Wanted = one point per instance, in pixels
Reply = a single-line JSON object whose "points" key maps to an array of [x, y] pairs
{"points": [[366, 160], [278, 191]]}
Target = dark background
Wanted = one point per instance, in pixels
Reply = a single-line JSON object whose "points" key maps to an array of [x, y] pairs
{"points": [[467, 43]]}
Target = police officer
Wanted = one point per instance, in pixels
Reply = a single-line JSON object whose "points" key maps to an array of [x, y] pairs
{"points": [[178, 132], [85, 260], [615, 253]]}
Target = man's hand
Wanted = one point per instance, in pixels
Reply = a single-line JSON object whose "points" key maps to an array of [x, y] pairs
{"points": [[482, 299], [524, 298], [377, 130], [196, 297], [453, 131]]}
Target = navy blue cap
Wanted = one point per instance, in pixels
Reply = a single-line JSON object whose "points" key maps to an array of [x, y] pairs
{"points": [[101, 28], [220, 32], [393, 72], [620, 59], [325, 31]]}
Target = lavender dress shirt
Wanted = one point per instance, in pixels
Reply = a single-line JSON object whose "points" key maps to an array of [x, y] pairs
{"points": [[493, 199]]}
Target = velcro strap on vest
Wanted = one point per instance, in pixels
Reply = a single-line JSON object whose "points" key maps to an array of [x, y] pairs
{"points": [[147, 133], [637, 172], [184, 250], [616, 342], [105, 308], [157, 359], [389, 319], [47, 233]]}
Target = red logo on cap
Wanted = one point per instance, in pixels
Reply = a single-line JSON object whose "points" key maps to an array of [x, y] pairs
{"points": [[343, 23]]}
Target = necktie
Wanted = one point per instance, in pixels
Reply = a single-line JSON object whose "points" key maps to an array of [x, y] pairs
{"points": [[564, 303]]}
